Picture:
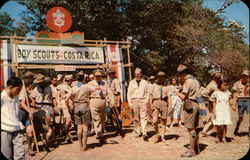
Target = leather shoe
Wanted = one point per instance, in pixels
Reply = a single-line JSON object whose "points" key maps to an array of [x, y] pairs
{"points": [[145, 137], [157, 139], [188, 154]]}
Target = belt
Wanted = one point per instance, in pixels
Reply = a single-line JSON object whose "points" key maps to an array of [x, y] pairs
{"points": [[193, 100], [243, 98], [43, 103], [96, 98], [80, 102], [154, 99], [138, 98]]}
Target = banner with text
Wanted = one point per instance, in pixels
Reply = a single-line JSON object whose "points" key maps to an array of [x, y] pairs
{"points": [[59, 55]]}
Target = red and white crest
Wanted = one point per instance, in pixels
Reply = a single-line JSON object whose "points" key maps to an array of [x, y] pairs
{"points": [[58, 19]]}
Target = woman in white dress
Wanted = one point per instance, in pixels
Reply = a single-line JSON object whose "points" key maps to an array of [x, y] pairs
{"points": [[176, 102], [221, 108]]}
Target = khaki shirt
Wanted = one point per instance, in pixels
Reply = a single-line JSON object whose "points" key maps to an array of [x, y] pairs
{"points": [[22, 94], [103, 92], [114, 86], [155, 91], [239, 88], [136, 91], [45, 96], [209, 90], [64, 90], [191, 87], [80, 94]]}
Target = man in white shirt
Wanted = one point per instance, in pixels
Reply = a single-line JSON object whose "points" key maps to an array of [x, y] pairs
{"points": [[12, 146], [138, 95]]}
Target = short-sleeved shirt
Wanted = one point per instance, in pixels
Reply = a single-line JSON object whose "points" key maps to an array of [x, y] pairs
{"points": [[239, 88], [191, 87], [9, 113], [64, 90], [159, 91], [42, 96], [114, 86], [103, 92], [209, 90], [80, 94], [22, 95]]}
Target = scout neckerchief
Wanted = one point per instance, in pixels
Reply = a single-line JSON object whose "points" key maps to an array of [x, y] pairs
{"points": [[191, 77], [138, 82], [101, 93], [79, 84], [161, 90], [111, 82]]}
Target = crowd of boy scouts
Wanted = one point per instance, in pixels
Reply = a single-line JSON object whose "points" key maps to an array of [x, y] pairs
{"points": [[81, 101]]}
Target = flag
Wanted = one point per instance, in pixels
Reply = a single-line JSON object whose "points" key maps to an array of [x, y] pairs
{"points": [[115, 61], [5, 55]]}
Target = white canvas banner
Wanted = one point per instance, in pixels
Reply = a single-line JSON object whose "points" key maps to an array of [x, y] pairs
{"points": [[59, 55]]}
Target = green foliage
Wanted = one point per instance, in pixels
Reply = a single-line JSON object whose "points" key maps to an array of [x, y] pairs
{"points": [[7, 28], [6, 22], [164, 33]]}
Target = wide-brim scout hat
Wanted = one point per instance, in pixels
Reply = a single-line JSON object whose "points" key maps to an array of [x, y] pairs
{"points": [[245, 72], [161, 74], [69, 77], [80, 73], [97, 73], [111, 70], [151, 78], [181, 68], [214, 72], [28, 74], [39, 78]]}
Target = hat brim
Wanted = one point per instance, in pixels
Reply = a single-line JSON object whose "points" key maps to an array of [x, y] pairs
{"points": [[245, 74], [39, 81], [161, 76]]}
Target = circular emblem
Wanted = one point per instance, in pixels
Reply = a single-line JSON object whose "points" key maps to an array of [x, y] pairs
{"points": [[58, 19], [113, 57]]}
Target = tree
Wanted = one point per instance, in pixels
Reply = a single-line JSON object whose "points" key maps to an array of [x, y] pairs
{"points": [[163, 33], [6, 28]]}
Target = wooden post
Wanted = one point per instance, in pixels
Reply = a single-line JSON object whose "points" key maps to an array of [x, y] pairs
{"points": [[129, 69], [31, 121]]}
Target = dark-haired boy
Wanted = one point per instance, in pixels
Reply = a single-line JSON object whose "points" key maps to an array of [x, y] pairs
{"points": [[12, 146]]}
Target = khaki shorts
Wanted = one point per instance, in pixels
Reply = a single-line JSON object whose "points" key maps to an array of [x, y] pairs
{"points": [[191, 114], [82, 113], [160, 107]]}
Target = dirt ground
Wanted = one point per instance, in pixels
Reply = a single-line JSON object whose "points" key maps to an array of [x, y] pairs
{"points": [[130, 148]]}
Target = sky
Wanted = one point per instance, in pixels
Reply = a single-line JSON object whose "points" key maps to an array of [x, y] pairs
{"points": [[238, 12]]}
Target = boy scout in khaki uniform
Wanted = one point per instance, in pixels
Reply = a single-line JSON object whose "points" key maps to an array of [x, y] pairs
{"points": [[115, 88], [241, 97], [207, 92], [82, 115], [26, 113], [160, 99], [138, 96], [151, 82], [191, 91], [63, 91], [100, 92], [44, 101]]}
